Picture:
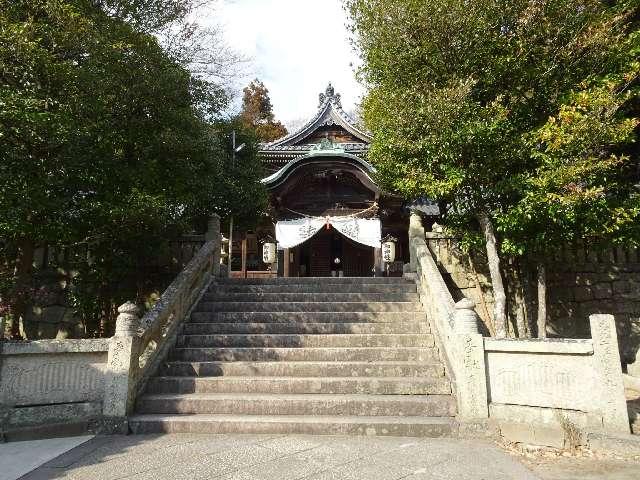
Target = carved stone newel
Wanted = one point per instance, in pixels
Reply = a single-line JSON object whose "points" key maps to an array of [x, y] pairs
{"points": [[416, 230], [465, 318], [128, 320], [213, 235], [122, 367]]}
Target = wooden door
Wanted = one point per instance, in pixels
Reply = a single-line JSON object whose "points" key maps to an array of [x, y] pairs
{"points": [[320, 253]]}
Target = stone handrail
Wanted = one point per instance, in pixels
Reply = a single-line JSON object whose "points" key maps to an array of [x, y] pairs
{"points": [[140, 345], [523, 380], [456, 328]]}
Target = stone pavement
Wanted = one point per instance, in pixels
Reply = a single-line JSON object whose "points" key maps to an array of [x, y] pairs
{"points": [[255, 457], [19, 458]]}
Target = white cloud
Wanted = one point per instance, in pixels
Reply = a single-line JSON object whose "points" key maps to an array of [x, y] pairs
{"points": [[296, 48]]}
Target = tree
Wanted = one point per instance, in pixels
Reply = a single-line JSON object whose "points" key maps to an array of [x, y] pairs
{"points": [[457, 88], [106, 141], [585, 185], [257, 112], [238, 192]]}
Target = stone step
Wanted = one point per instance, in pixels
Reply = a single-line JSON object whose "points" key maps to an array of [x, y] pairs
{"points": [[294, 424], [308, 307], [351, 354], [316, 288], [302, 328], [308, 404], [303, 369], [307, 341], [310, 297], [313, 281], [289, 385], [307, 317]]}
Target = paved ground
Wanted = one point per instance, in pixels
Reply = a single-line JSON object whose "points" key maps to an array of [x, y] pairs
{"points": [[255, 457], [585, 469], [19, 458]]}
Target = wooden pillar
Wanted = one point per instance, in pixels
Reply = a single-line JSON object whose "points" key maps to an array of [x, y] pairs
{"points": [[244, 257], [287, 263], [377, 261]]}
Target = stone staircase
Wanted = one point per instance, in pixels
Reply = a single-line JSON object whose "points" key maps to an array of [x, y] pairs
{"points": [[303, 355]]}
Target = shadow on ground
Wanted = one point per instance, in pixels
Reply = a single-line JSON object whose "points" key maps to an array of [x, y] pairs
{"points": [[271, 457]]}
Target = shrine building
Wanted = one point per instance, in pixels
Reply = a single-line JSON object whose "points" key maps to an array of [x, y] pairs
{"points": [[328, 215]]}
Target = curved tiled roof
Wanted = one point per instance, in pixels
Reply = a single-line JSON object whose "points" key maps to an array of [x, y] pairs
{"points": [[330, 112], [318, 156], [358, 147]]}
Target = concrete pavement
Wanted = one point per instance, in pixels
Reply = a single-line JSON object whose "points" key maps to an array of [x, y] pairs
{"points": [[279, 457], [19, 458]]}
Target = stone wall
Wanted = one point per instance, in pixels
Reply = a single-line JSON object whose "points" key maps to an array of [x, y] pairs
{"points": [[579, 283], [52, 314], [51, 382], [582, 282], [547, 391], [55, 385]]}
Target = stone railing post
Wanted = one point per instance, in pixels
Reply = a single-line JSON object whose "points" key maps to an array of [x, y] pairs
{"points": [[465, 318], [122, 366], [416, 230], [608, 372], [471, 379], [213, 234]]}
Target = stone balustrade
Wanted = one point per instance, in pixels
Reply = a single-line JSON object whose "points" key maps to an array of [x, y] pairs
{"points": [[49, 381], [461, 346], [540, 385]]}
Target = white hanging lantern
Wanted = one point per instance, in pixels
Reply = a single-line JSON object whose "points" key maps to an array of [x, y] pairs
{"points": [[389, 250], [269, 252]]}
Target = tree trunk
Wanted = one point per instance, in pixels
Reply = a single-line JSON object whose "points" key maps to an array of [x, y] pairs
{"points": [[480, 293], [500, 298], [542, 301], [22, 282], [520, 302]]}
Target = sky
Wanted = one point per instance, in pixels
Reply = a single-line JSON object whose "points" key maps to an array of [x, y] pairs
{"points": [[296, 47]]}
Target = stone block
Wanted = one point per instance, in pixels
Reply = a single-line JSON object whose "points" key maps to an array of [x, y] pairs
{"points": [[583, 293], [471, 379], [550, 417], [608, 399], [479, 429], [626, 306], [583, 279], [625, 286], [48, 378], [602, 290], [533, 434], [60, 413], [558, 294], [548, 436], [623, 445], [517, 432], [607, 277], [541, 379], [596, 306]]}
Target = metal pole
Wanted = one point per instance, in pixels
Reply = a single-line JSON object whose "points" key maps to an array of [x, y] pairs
{"points": [[233, 163]]}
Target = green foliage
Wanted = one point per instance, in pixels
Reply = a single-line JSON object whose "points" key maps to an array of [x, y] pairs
{"points": [[238, 191], [583, 186], [461, 93], [106, 139]]}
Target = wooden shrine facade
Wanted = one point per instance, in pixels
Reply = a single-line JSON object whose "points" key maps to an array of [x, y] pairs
{"points": [[329, 215]]}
